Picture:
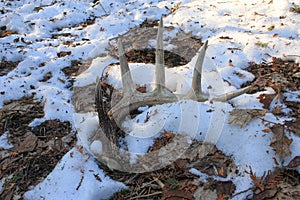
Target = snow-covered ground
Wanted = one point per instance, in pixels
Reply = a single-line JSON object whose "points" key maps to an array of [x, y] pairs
{"points": [[247, 23]]}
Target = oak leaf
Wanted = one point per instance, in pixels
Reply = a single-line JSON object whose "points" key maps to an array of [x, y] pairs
{"points": [[243, 116], [280, 142]]}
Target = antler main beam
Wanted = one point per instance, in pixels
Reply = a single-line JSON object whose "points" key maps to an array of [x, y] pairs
{"points": [[132, 99]]}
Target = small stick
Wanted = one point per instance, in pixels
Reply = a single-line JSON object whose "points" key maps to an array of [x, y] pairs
{"points": [[146, 195]]}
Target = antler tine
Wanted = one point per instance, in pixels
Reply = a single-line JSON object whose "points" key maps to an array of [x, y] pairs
{"points": [[231, 95], [127, 82], [197, 76], [132, 99], [159, 60]]}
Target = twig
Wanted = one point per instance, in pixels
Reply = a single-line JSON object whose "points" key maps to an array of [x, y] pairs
{"points": [[80, 182], [243, 191], [159, 182], [146, 195]]}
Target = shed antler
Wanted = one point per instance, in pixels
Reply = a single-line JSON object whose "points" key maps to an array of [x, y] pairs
{"points": [[132, 99]]}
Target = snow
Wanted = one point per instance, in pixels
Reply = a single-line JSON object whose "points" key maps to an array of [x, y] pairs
{"points": [[246, 23], [4, 143], [74, 177]]}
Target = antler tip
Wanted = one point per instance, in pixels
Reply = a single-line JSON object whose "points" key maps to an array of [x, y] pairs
{"points": [[161, 22]]}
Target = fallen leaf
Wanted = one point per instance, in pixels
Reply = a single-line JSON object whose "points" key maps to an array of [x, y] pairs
{"points": [[266, 100], [168, 134], [225, 188], [28, 144], [64, 53], [295, 162], [230, 63], [142, 89], [294, 126], [243, 116], [267, 130], [6, 33], [176, 194], [225, 38], [257, 181], [221, 172], [270, 28], [267, 194], [97, 177], [80, 148], [181, 163], [280, 142]]}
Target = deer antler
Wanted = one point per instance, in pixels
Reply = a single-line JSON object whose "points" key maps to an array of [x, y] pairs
{"points": [[132, 99]]}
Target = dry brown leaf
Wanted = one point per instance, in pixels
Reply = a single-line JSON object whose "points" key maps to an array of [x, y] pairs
{"points": [[221, 172], [280, 142], [294, 126], [176, 194], [142, 89], [243, 116], [28, 144], [7, 33], [80, 148], [288, 192], [266, 100], [176, 7], [168, 134], [267, 130], [295, 162], [257, 181], [267, 194], [64, 53], [220, 197], [225, 188]]}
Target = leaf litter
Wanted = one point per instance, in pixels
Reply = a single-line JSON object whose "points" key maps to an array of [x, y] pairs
{"points": [[36, 150]]}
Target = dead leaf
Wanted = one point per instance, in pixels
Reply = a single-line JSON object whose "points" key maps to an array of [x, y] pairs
{"points": [[168, 135], [270, 28], [220, 197], [257, 181], [225, 38], [294, 126], [295, 162], [181, 163], [266, 100], [243, 116], [267, 194], [64, 53], [142, 89], [97, 177], [176, 7], [176, 194], [225, 188], [80, 148], [28, 144], [6, 33], [280, 142], [221, 172], [267, 130]]}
